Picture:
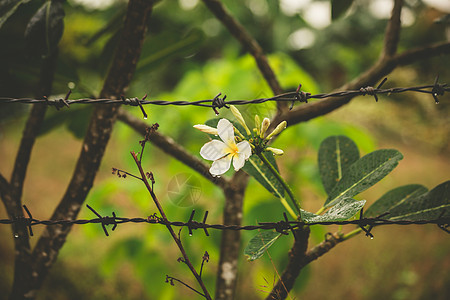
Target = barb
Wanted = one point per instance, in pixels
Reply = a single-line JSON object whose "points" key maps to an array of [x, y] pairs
{"points": [[281, 226], [435, 90]]}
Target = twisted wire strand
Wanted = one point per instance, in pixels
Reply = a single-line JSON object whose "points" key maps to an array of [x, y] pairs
{"points": [[280, 226], [217, 102]]}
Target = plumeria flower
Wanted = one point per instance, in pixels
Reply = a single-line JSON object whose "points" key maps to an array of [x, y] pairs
{"points": [[225, 151]]}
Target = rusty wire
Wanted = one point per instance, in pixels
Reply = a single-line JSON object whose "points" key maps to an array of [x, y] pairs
{"points": [[282, 226], [435, 90]]}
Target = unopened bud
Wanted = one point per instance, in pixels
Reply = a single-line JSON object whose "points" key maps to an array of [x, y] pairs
{"points": [[265, 124], [275, 151], [277, 130], [238, 116], [257, 124], [206, 129]]}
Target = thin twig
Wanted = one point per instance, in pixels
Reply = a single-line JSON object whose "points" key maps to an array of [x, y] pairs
{"points": [[169, 227]]}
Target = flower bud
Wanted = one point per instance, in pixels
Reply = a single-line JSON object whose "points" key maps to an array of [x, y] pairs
{"points": [[265, 124], [240, 119], [257, 124], [206, 129], [275, 151], [277, 130]]}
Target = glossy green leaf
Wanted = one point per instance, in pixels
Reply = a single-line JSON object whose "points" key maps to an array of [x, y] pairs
{"points": [[339, 7], [75, 119], [343, 210], [260, 243], [45, 29], [428, 206], [256, 168], [159, 49], [8, 8], [336, 155], [393, 198], [364, 173]]}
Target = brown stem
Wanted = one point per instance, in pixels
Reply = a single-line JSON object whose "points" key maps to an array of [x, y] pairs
{"points": [[249, 43], [170, 147], [94, 144], [13, 198], [392, 34], [172, 233]]}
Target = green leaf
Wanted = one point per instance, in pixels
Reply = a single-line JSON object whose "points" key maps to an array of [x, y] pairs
{"points": [[429, 206], [256, 168], [260, 243], [339, 7], [364, 173], [8, 8], [343, 210], [336, 154], [393, 198], [76, 120], [45, 29], [163, 47]]}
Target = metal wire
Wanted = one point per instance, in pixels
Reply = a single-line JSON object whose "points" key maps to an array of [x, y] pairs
{"points": [[281, 226], [435, 90]]}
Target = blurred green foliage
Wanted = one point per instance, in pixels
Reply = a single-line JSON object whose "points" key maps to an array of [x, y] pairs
{"points": [[189, 55]]}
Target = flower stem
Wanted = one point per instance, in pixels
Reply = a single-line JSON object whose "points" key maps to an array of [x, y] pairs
{"points": [[283, 183], [351, 234]]}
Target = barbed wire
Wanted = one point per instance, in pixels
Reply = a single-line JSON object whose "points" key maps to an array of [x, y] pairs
{"points": [[282, 226], [436, 89]]}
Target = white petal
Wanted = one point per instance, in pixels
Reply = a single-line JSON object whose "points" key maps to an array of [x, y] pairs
{"points": [[244, 153], [206, 129], [244, 149], [238, 162], [220, 166], [214, 150], [226, 132]]}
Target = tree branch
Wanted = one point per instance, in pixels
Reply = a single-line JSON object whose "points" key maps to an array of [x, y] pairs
{"points": [[13, 198], [94, 144], [382, 68], [392, 34], [298, 259], [249, 43], [231, 239], [172, 148]]}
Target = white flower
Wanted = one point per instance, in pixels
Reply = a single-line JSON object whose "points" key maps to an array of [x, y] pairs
{"points": [[223, 152]]}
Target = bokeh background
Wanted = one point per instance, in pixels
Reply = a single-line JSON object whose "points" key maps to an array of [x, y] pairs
{"points": [[189, 55]]}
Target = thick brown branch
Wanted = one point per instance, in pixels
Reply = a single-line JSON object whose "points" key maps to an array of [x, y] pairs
{"points": [[392, 34], [94, 144], [170, 147], [382, 68], [13, 198], [231, 240], [248, 42], [298, 259]]}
